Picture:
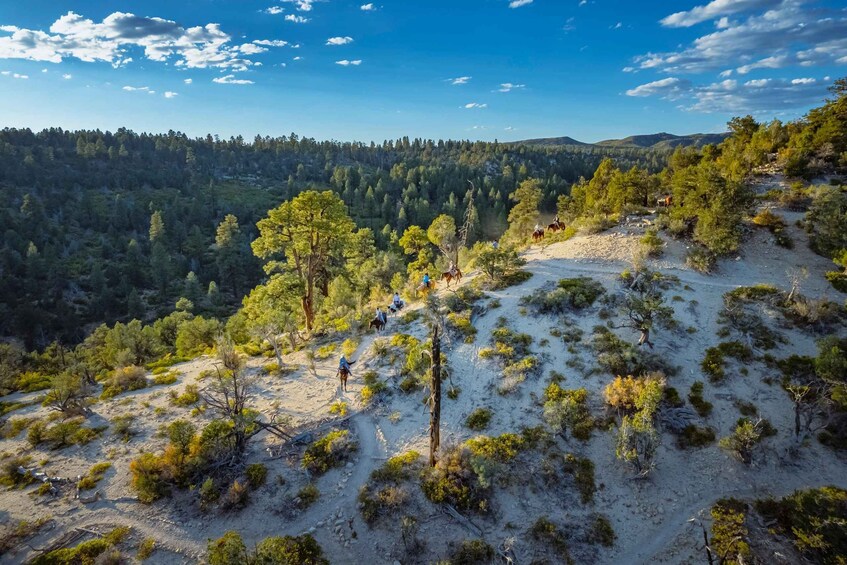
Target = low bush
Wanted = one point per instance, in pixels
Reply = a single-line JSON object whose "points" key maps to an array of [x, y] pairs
{"points": [[123, 380], [813, 520], [460, 324], [332, 450], [62, 434], [479, 419], [165, 379], [745, 437], [95, 475], [256, 474], [569, 294], [339, 407], [701, 260], [547, 532], [146, 549], [582, 470], [600, 531], [454, 481], [628, 394], [567, 410], [695, 436], [11, 474], [472, 552], [32, 381], [290, 550], [235, 497], [713, 363], [695, 397], [14, 426], [149, 478], [87, 552], [729, 535], [651, 244], [189, 397], [122, 427], [308, 495]]}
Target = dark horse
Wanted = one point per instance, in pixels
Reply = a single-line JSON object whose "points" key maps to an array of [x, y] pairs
{"points": [[537, 236], [450, 277], [343, 374], [378, 324], [555, 226]]}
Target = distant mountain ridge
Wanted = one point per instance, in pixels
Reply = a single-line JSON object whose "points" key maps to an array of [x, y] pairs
{"points": [[662, 140]]}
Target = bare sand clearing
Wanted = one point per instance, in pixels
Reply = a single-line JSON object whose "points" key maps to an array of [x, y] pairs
{"points": [[650, 517]]}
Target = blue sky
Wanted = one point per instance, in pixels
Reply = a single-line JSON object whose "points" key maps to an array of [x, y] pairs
{"points": [[461, 69]]}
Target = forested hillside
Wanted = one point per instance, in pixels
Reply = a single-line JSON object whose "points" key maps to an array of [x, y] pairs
{"points": [[78, 246]]}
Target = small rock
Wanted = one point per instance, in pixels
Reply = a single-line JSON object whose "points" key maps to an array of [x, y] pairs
{"points": [[312, 530]]}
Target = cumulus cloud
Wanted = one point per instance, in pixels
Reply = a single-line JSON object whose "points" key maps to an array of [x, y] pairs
{"points": [[274, 10], [170, 94], [758, 96], [339, 40], [188, 80], [346, 63], [670, 88], [519, 3], [137, 88], [474, 105], [714, 9], [459, 80], [791, 34], [67, 76], [367, 7], [230, 79], [161, 40], [14, 75], [271, 42], [508, 87], [296, 19]]}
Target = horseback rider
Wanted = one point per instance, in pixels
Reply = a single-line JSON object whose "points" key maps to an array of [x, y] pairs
{"points": [[381, 316], [556, 220], [537, 227], [452, 270], [343, 364], [495, 244], [396, 301], [426, 280]]}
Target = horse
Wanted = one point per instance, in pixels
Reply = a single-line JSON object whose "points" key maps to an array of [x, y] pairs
{"points": [[343, 374], [378, 324], [450, 277], [537, 235], [555, 226], [426, 289], [664, 201]]}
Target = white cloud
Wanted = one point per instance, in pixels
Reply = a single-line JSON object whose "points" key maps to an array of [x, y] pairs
{"points": [[509, 128], [302, 5], [67, 76], [188, 80], [252, 49], [759, 96], [274, 10], [618, 25], [793, 33], [508, 87], [474, 105], [170, 94], [298, 58], [230, 79], [459, 80], [43, 70], [296, 19], [367, 7], [669, 87], [582, 3], [161, 40], [714, 9], [519, 3], [137, 88], [346, 63], [725, 74], [339, 40], [271, 42]]}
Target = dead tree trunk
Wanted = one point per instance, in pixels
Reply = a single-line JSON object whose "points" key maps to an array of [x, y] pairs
{"points": [[435, 399]]}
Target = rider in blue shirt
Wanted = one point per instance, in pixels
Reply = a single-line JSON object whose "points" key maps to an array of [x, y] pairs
{"points": [[426, 280], [343, 364]]}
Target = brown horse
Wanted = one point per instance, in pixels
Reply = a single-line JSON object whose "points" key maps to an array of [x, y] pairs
{"points": [[343, 374], [450, 277], [555, 226], [537, 235], [664, 201], [422, 288], [378, 324]]}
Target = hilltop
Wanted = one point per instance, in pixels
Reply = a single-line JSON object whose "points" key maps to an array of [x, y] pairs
{"points": [[656, 141], [556, 483]]}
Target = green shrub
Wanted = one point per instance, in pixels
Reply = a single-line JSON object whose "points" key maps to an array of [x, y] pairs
{"points": [[196, 336], [601, 531], [701, 260], [32, 381], [813, 520], [229, 549], [339, 407], [95, 475], [652, 244], [567, 410], [695, 436], [236, 496], [209, 493], [123, 380], [148, 478], [729, 536], [256, 475], [62, 434], [582, 470], [472, 552], [189, 397], [695, 397], [478, 419], [570, 294], [460, 324], [14, 426], [122, 427], [745, 437], [146, 549], [454, 481], [10, 474], [308, 495], [165, 379], [290, 550], [87, 552], [332, 450]]}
